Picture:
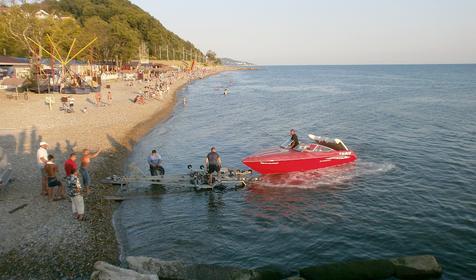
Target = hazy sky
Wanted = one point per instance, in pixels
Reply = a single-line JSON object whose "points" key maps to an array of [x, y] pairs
{"points": [[325, 32]]}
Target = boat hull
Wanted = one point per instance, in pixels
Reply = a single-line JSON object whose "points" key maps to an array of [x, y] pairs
{"points": [[285, 161]]}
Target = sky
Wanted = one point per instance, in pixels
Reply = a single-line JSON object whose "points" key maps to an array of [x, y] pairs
{"points": [[304, 32]]}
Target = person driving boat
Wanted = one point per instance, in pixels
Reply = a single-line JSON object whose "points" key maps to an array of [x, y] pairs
{"points": [[294, 141]]}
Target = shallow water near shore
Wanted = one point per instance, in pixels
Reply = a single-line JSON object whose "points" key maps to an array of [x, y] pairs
{"points": [[412, 190]]}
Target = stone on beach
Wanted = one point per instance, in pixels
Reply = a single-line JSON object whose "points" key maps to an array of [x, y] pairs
{"points": [[164, 269], [178, 271], [411, 267], [212, 272], [106, 271], [355, 270], [417, 267]]}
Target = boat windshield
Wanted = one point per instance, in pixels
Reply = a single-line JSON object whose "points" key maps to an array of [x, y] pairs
{"points": [[285, 144], [312, 148], [303, 147]]}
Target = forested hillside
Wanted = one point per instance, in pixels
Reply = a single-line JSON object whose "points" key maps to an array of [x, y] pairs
{"points": [[120, 26]]}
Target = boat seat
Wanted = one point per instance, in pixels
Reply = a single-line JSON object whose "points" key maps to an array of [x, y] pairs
{"points": [[310, 147]]}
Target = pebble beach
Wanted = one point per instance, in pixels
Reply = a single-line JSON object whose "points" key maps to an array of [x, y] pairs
{"points": [[40, 239]]}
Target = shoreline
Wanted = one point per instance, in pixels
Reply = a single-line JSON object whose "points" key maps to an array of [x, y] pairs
{"points": [[46, 252]]}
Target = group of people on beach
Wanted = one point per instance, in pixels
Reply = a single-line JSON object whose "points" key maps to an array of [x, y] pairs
{"points": [[99, 99], [156, 91], [53, 187], [158, 85]]}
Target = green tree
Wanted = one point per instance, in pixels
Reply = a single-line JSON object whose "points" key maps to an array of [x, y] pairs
{"points": [[119, 25]]}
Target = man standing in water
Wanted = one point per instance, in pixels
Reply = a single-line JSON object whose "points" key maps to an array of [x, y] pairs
{"points": [[294, 139], [85, 161], [213, 164], [41, 160], [154, 160]]}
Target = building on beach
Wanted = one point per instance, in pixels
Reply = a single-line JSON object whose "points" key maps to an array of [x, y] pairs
{"points": [[14, 67]]}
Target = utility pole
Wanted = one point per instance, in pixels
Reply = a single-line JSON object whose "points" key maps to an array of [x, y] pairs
{"points": [[52, 66], [167, 52], [173, 54], [91, 57]]}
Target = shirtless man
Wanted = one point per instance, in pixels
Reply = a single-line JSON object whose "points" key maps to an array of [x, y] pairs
{"points": [[85, 161], [98, 98], [51, 170]]}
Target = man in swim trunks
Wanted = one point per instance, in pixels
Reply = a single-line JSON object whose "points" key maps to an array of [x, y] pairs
{"points": [[294, 139], [213, 164], [51, 170], [85, 161]]}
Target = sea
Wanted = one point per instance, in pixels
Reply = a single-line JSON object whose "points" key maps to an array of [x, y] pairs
{"points": [[412, 190]]}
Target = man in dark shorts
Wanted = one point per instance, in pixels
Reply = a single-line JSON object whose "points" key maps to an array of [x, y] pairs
{"points": [[51, 170], [294, 139], [213, 164]]}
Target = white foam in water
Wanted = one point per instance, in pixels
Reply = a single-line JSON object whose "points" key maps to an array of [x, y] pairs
{"points": [[338, 176], [370, 168]]}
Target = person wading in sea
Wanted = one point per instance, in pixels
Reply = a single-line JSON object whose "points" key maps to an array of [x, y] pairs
{"points": [[294, 139], [85, 161], [213, 164], [154, 160]]}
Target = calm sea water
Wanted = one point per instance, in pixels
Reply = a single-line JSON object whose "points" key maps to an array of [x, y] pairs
{"points": [[412, 190]]}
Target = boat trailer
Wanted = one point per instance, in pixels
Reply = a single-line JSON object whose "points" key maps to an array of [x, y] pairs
{"points": [[195, 179]]}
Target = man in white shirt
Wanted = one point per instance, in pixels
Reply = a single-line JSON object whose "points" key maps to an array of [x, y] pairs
{"points": [[41, 160]]}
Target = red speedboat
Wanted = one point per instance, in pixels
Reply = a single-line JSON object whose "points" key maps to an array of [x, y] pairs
{"points": [[324, 152]]}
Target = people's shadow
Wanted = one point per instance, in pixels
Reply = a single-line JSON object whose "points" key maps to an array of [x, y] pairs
{"points": [[18, 150]]}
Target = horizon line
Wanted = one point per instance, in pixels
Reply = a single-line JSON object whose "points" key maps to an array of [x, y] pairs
{"points": [[366, 64]]}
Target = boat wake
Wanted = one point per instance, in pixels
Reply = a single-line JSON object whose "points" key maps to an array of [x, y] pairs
{"points": [[332, 177]]}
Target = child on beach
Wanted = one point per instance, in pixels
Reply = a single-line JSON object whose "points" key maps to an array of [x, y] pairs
{"points": [[109, 97], [98, 98], [74, 192]]}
